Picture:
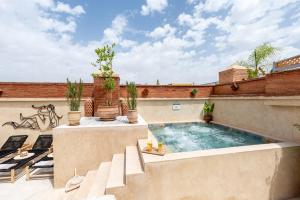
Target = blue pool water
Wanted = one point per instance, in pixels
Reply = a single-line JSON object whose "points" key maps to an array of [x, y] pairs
{"points": [[185, 137]]}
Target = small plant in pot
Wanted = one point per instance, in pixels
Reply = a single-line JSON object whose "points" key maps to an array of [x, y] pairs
{"points": [[132, 114], [74, 93], [107, 112], [208, 109], [194, 92]]}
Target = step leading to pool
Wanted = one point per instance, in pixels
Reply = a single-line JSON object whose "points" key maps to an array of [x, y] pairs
{"points": [[85, 186], [101, 178], [116, 174], [133, 164]]}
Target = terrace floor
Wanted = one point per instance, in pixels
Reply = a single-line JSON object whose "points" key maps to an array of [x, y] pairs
{"points": [[28, 190]]}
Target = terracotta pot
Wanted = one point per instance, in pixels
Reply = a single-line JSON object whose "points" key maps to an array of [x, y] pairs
{"points": [[132, 116], [108, 113], [74, 118], [207, 118]]}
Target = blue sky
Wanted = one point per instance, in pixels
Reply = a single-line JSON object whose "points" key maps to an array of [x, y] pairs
{"points": [[180, 41]]}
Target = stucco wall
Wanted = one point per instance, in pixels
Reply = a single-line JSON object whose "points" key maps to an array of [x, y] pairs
{"points": [[260, 172], [160, 110], [10, 110], [271, 116]]}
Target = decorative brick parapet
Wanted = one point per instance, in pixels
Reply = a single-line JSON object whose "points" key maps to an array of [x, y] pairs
{"points": [[99, 93]]}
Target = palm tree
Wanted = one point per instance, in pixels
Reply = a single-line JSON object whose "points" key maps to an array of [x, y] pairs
{"points": [[258, 60]]}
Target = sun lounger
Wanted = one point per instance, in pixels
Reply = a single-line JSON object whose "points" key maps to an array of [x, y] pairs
{"points": [[37, 167], [11, 146], [13, 167]]}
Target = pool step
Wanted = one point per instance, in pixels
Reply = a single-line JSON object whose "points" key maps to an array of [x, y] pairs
{"points": [[133, 164], [85, 186], [115, 182], [101, 177]]}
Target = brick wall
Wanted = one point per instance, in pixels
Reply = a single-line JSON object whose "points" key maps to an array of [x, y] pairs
{"points": [[276, 84], [248, 87], [169, 91], [39, 90], [281, 83]]}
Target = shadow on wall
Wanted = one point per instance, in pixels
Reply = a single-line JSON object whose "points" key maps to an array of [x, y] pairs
{"points": [[285, 183]]}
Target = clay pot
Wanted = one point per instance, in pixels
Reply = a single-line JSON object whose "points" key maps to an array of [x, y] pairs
{"points": [[207, 118], [108, 113], [74, 118], [132, 116]]}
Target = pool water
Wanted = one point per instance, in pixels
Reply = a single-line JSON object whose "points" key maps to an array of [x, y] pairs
{"points": [[185, 137]]}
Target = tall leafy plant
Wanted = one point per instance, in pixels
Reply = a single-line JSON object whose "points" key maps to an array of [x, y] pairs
{"points": [[259, 60], [104, 61], [74, 93], [131, 95]]}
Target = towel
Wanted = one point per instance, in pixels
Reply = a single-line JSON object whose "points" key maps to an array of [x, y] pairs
{"points": [[7, 166], [44, 163]]}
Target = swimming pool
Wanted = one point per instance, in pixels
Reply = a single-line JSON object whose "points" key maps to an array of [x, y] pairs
{"points": [[183, 137]]}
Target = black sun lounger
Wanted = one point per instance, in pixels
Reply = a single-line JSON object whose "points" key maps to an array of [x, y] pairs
{"points": [[14, 167], [41, 168], [12, 145]]}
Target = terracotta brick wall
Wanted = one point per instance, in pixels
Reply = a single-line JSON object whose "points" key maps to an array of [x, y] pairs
{"points": [[283, 83], [276, 84], [168, 91], [100, 97], [39, 90], [249, 87]]}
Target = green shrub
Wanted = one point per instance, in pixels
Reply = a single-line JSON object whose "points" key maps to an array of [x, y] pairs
{"points": [[208, 108], [74, 93], [131, 95]]}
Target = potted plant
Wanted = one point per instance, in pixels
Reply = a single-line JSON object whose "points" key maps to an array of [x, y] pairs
{"points": [[194, 92], [74, 93], [145, 92], [107, 112], [208, 109], [132, 114]]}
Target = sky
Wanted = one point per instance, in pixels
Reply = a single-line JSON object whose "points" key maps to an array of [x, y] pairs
{"points": [[175, 41]]}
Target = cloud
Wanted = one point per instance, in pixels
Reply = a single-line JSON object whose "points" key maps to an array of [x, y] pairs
{"points": [[65, 8], [114, 33], [164, 31], [154, 5], [37, 44]]}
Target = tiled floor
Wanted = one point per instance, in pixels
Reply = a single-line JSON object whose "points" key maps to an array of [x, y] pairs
{"points": [[26, 190]]}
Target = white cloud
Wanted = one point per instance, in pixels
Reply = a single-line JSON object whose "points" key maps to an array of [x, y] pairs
{"points": [[65, 8], [37, 44], [164, 31], [114, 33], [154, 5]]}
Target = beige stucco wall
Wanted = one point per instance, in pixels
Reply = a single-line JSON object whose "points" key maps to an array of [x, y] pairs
{"points": [[85, 147], [10, 110], [260, 172], [160, 110], [271, 116]]}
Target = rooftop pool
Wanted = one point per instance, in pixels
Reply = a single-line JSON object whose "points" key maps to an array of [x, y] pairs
{"points": [[184, 137]]}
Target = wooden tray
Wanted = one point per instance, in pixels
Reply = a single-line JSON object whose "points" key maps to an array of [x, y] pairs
{"points": [[155, 151]]}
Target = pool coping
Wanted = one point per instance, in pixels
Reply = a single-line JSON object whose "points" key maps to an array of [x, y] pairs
{"points": [[149, 158]]}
